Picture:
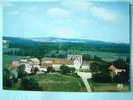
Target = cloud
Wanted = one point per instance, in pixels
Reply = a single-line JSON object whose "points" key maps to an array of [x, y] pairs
{"points": [[58, 13], [102, 13], [90, 8]]}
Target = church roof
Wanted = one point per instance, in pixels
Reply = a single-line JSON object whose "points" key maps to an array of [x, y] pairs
{"points": [[57, 61]]}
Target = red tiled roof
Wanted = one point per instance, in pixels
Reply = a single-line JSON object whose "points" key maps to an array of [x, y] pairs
{"points": [[114, 69], [86, 62], [57, 61]]}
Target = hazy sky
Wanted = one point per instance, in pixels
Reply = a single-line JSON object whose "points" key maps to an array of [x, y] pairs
{"points": [[84, 20]]}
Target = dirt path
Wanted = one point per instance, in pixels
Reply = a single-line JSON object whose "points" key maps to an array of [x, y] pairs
{"points": [[85, 81], [86, 85]]}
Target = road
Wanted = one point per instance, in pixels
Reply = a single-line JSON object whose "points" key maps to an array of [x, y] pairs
{"points": [[84, 76]]}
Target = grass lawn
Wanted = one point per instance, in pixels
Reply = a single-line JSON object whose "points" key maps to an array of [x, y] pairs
{"points": [[56, 82], [107, 87], [59, 82]]}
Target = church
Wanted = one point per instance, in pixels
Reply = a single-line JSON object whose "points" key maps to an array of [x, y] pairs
{"points": [[74, 61]]}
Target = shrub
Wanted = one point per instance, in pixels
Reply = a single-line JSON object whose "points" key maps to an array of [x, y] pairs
{"points": [[102, 77], [50, 69], [122, 77], [7, 81], [21, 71], [75, 75], [34, 70], [30, 84], [65, 69]]}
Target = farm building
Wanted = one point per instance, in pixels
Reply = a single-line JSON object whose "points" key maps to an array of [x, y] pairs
{"points": [[29, 64], [74, 61]]}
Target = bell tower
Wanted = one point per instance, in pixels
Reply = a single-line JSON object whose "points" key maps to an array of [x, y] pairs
{"points": [[77, 60]]}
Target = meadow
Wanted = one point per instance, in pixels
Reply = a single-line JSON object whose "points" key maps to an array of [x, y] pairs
{"points": [[108, 56], [107, 87], [54, 82]]}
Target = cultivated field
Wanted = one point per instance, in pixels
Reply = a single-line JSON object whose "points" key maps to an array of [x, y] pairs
{"points": [[108, 56], [107, 87]]}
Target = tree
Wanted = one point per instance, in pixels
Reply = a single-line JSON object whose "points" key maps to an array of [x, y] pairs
{"points": [[102, 77], [72, 70], [29, 83], [86, 57], [7, 82], [21, 71], [100, 71], [34, 70], [98, 67], [65, 69], [50, 69], [120, 63], [127, 60], [122, 77]]}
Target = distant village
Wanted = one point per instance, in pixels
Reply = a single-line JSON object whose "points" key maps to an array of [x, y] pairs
{"points": [[74, 61]]}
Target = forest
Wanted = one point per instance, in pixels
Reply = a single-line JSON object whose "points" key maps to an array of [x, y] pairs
{"points": [[25, 47]]}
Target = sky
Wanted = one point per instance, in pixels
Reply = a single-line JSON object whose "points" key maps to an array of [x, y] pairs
{"points": [[104, 21]]}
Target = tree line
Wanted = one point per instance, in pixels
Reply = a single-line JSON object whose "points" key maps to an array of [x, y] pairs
{"points": [[61, 49]]}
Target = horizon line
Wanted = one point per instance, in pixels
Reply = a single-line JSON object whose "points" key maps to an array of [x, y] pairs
{"points": [[119, 42]]}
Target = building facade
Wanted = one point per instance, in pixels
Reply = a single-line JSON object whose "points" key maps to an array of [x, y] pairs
{"points": [[74, 61]]}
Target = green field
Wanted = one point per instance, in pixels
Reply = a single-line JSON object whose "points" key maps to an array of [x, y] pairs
{"points": [[59, 82], [107, 87], [7, 59], [56, 82], [108, 56], [49, 82]]}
